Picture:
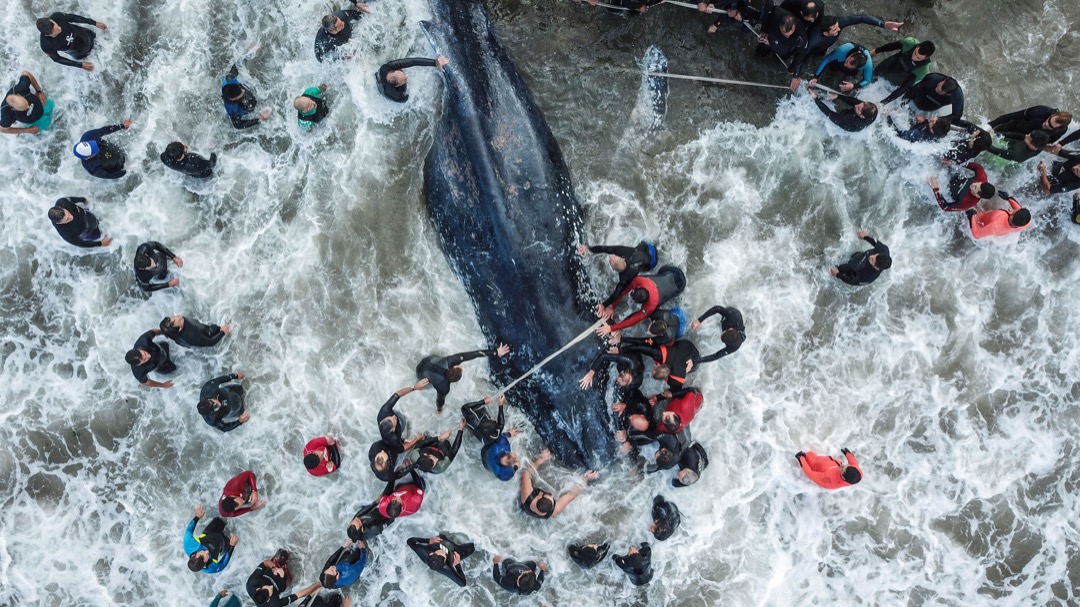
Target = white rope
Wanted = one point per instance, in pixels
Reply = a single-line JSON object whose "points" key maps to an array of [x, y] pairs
{"points": [[551, 357]]}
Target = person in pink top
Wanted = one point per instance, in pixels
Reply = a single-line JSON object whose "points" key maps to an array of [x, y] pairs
{"points": [[999, 221], [321, 456], [829, 472]]}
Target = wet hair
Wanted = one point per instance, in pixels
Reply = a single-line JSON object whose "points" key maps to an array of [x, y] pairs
{"points": [[658, 327], [174, 151], [436, 562], [329, 21], [949, 86], [386, 426], [665, 458], [731, 337], [545, 505], [311, 460], [639, 295], [166, 324], [195, 562], [672, 423], [527, 582], [1040, 138], [355, 532], [45, 25], [662, 530], [884, 262], [810, 9], [205, 407], [453, 374], [426, 463], [1065, 118], [691, 478], [132, 357], [663, 370], [940, 127], [262, 595], [1020, 218], [788, 23], [393, 509], [506, 455], [987, 191], [870, 110], [142, 261], [56, 214], [328, 580], [858, 55], [926, 47], [827, 23], [228, 506], [852, 475], [232, 91]]}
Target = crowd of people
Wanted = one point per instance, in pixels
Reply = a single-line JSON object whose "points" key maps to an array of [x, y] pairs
{"points": [[653, 430]]}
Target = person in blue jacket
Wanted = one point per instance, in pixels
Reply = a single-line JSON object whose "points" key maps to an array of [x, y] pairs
{"points": [[240, 102], [209, 551], [846, 64], [344, 567], [100, 158], [496, 453]]}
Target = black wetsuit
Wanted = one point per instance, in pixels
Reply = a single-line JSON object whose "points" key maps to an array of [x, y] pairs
{"points": [[667, 516], [227, 417], [1062, 178], [194, 334], [192, 165], [636, 404], [820, 42], [857, 270], [675, 443], [792, 49], [1017, 125], [238, 110], [693, 458], [925, 96], [506, 572], [730, 318], [159, 358], [72, 40], [150, 280], [1016, 150], [108, 163], [435, 370], [398, 93], [323, 599], [962, 151], [676, 356], [637, 566], [537, 493], [674, 328], [372, 520], [326, 43], [392, 438], [586, 555], [82, 230], [844, 115], [754, 12], [443, 451], [481, 424], [424, 550], [393, 452], [898, 69], [9, 115], [264, 576], [627, 361], [638, 259]]}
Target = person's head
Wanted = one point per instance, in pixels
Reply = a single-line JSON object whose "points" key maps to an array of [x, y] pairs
{"points": [[851, 474], [664, 458], [881, 261], [453, 374], [427, 462], [175, 151], [979, 141], [923, 50], [940, 127], [332, 24], [866, 110], [810, 12], [658, 327], [436, 561], [145, 262], [1037, 140], [639, 422], [329, 577], [208, 406], [545, 504], [171, 323], [685, 478], [661, 372], [508, 460], [59, 215], [617, 263], [787, 26], [17, 102], [233, 91], [855, 59], [1076, 170], [639, 295], [731, 337], [526, 582], [312, 461], [831, 27], [197, 561], [1019, 218], [394, 507], [86, 149], [47, 27], [355, 530], [661, 530], [397, 78], [230, 505], [671, 421], [1059, 120], [625, 378], [381, 461], [947, 86], [304, 104], [137, 356], [983, 190], [262, 594]]}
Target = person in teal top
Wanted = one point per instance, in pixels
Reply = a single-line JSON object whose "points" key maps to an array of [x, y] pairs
{"points": [[906, 68], [310, 106], [211, 550], [846, 62], [231, 601]]}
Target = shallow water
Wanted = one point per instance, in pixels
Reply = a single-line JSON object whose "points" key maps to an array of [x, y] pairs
{"points": [[950, 378]]}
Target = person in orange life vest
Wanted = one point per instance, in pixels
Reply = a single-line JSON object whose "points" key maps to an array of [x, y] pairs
{"points": [[240, 495], [999, 221], [682, 407], [404, 498], [650, 292], [321, 456], [540, 504], [673, 363], [829, 472]]}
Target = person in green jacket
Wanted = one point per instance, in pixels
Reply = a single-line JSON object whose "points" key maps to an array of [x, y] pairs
{"points": [[231, 601], [311, 107], [906, 68]]}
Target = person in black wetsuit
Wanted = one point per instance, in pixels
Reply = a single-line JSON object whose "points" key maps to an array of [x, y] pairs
{"points": [[1024, 149], [631, 369], [634, 422], [540, 504], [367, 523], [735, 12], [383, 454], [588, 556], [937, 91], [102, 159], [152, 266], [673, 363], [327, 599], [266, 584], [1015, 125], [666, 518], [223, 406], [827, 30], [434, 455], [520, 577], [441, 371], [443, 553], [732, 331], [177, 157], [863, 268], [964, 150], [391, 79], [1065, 176], [692, 463], [75, 224], [906, 68], [637, 564], [627, 261], [148, 355], [851, 114], [336, 30], [240, 101], [191, 333], [495, 454], [25, 103], [924, 129], [785, 35], [59, 34], [665, 328]]}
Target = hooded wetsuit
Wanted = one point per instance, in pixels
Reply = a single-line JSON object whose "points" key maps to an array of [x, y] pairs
{"points": [[194, 334], [425, 549], [638, 566], [227, 417], [156, 278], [74, 41], [82, 230], [265, 576], [857, 270], [213, 540], [398, 93]]}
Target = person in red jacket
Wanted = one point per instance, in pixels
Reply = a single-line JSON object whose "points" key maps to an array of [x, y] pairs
{"points": [[681, 409], [829, 472], [650, 292], [402, 498], [240, 495], [999, 222], [966, 193], [321, 456]]}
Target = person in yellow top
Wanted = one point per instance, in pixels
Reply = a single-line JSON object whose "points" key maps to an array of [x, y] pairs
{"points": [[999, 221]]}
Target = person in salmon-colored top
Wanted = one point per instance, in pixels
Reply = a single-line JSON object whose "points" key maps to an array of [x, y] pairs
{"points": [[240, 495], [829, 472], [999, 221], [321, 456]]}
